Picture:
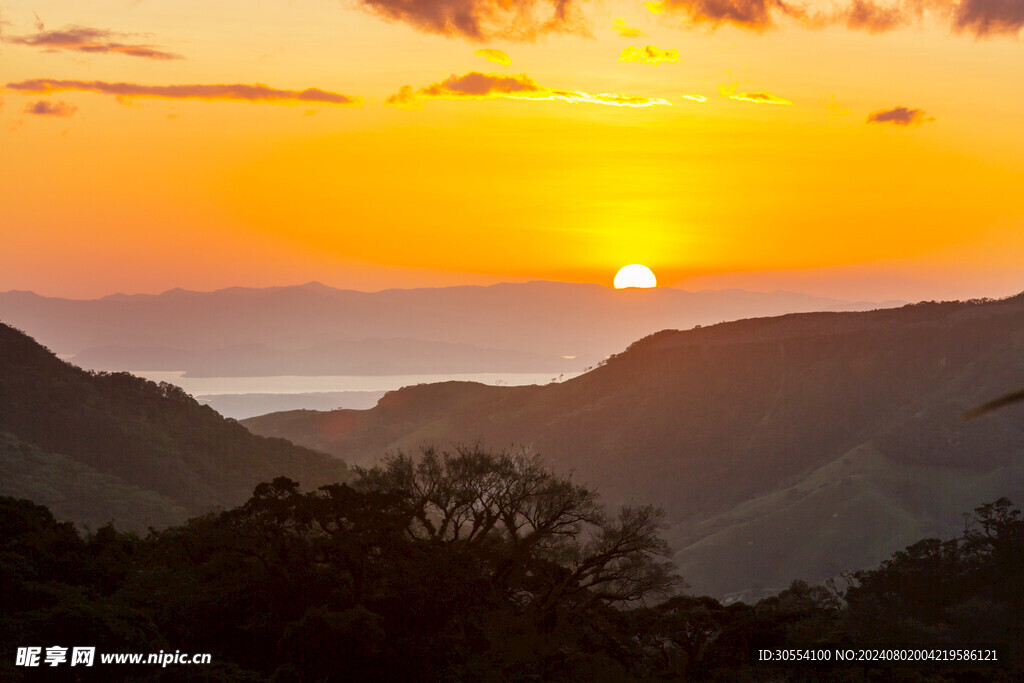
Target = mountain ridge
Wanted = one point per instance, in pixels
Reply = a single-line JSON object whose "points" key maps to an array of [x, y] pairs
{"points": [[132, 439], [549, 319], [704, 421]]}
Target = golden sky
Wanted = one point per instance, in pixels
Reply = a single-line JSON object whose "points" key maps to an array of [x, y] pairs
{"points": [[849, 149]]}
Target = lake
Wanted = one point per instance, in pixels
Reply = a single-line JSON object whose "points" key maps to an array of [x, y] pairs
{"points": [[242, 397]]}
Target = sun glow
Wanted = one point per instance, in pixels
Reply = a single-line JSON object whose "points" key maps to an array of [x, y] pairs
{"points": [[635, 275]]}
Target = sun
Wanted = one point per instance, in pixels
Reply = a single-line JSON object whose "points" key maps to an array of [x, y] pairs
{"points": [[635, 275]]}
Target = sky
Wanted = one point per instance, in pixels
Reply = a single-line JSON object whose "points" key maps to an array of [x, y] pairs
{"points": [[847, 149]]}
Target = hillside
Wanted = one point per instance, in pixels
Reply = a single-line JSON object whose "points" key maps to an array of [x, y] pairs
{"points": [[783, 447], [102, 447]]}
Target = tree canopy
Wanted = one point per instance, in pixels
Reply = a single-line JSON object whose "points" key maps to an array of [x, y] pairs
{"points": [[466, 564]]}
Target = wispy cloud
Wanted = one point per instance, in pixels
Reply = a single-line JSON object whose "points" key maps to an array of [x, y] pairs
{"points": [[694, 98], [900, 116], [405, 98], [759, 98], [496, 56], [92, 40], [477, 86], [649, 54], [44, 108], [240, 92], [834, 107], [620, 26], [730, 91], [483, 19]]}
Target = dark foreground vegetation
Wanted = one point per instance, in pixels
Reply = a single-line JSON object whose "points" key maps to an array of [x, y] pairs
{"points": [[472, 566]]}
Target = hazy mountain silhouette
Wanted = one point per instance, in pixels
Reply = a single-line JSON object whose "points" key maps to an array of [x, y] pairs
{"points": [[114, 447], [525, 327], [241, 406], [364, 357], [787, 447]]}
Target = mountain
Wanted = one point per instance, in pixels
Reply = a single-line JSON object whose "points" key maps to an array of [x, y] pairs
{"points": [[314, 329], [364, 357], [788, 447], [114, 447]]}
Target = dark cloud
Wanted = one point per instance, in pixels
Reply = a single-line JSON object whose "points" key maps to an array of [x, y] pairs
{"points": [[476, 85], [900, 116], [980, 17], [483, 19], [867, 16], [755, 14], [248, 93], [44, 108], [92, 40], [988, 17]]}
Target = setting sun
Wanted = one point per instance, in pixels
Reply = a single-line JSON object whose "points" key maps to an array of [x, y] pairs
{"points": [[635, 275]]}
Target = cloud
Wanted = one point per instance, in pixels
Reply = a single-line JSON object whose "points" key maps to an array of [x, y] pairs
{"points": [[613, 99], [649, 54], [900, 116], [405, 98], [620, 26], [483, 19], [754, 14], [980, 17], [759, 98], [987, 17], [496, 56], [694, 98], [44, 108], [834, 107], [242, 92], [729, 91], [478, 86], [867, 16], [93, 40]]}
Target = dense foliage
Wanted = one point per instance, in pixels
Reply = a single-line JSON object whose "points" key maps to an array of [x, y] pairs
{"points": [[102, 446], [469, 565]]}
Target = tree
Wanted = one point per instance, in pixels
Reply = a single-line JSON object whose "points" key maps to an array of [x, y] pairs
{"points": [[546, 540]]}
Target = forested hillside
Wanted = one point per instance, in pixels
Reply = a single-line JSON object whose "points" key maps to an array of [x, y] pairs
{"points": [[479, 566], [789, 447], [102, 447]]}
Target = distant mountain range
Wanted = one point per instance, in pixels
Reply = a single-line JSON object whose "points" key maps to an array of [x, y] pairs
{"points": [[114, 447], [794, 446], [313, 329]]}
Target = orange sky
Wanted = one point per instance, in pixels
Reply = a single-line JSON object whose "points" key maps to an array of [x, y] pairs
{"points": [[149, 145]]}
